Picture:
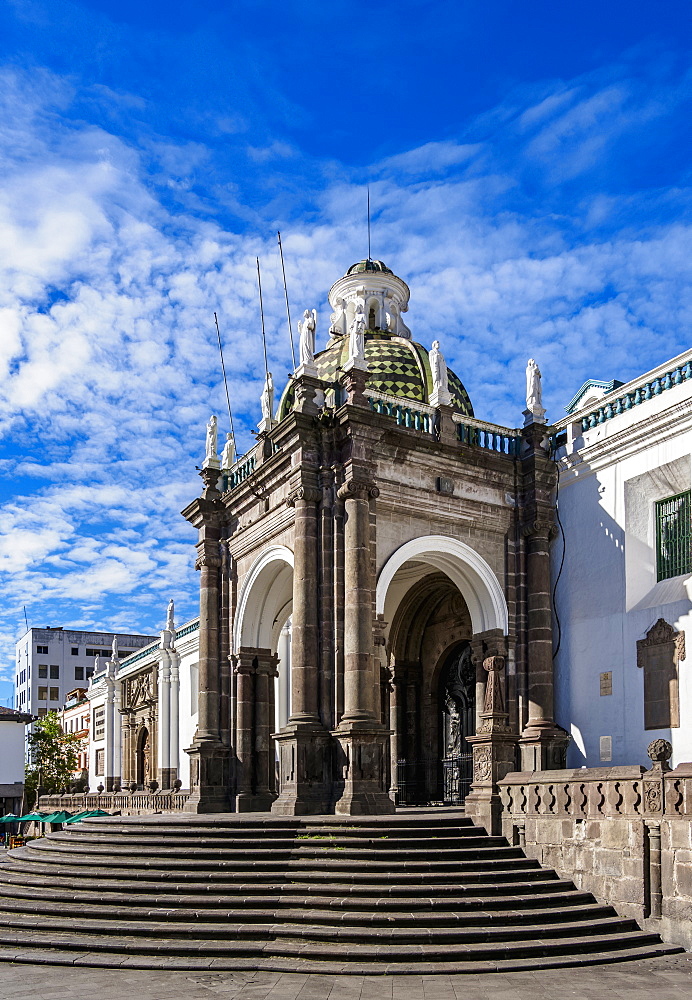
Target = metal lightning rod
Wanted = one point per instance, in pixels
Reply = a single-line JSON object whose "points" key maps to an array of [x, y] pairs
{"points": [[223, 369], [288, 311], [369, 257], [264, 336]]}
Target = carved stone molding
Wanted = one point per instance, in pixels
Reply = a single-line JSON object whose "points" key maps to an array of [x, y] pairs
{"points": [[357, 489], [308, 493], [659, 750], [659, 634], [494, 701]]}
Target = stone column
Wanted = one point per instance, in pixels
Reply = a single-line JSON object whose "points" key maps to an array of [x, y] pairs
{"points": [[224, 646], [361, 736], [164, 744], [494, 751], [304, 742], [543, 745], [174, 756], [209, 758], [244, 669], [395, 731], [265, 756]]}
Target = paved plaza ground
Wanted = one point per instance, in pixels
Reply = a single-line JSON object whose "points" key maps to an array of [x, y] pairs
{"points": [[668, 978]]}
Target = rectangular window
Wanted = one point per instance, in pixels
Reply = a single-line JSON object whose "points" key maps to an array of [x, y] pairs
{"points": [[42, 713], [79, 673], [42, 649], [54, 672], [100, 761], [43, 670], [55, 694], [673, 536], [90, 672], [75, 650], [98, 652], [99, 723], [43, 694]]}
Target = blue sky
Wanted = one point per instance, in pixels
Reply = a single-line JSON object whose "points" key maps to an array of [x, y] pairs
{"points": [[530, 175]]}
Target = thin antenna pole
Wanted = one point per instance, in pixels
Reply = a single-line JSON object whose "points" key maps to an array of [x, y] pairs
{"points": [[288, 311], [223, 369], [26, 620], [369, 257], [264, 337]]}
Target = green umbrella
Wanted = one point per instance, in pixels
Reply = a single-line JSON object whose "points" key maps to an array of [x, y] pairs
{"points": [[87, 814], [57, 817], [36, 816], [10, 818]]}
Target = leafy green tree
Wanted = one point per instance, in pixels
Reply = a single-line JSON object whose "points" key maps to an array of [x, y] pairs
{"points": [[54, 757]]}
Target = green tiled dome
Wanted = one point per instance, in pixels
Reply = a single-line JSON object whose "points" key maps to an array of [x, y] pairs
{"points": [[397, 366], [370, 266]]}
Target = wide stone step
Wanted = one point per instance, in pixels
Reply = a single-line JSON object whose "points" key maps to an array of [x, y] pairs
{"points": [[332, 966], [556, 893], [82, 940], [302, 933], [83, 908]]}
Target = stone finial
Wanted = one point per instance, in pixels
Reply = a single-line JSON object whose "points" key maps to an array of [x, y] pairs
{"points": [[114, 649], [660, 751], [170, 616]]}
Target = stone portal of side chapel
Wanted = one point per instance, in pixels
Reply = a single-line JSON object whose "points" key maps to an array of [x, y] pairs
{"points": [[411, 532]]}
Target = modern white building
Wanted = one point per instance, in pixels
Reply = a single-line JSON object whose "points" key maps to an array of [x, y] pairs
{"points": [[622, 567], [50, 662]]}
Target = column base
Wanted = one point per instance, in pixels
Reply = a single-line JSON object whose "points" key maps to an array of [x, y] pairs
{"points": [[209, 777], [304, 770], [543, 747], [360, 783]]}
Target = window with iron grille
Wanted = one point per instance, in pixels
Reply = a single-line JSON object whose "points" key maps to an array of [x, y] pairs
{"points": [[673, 536], [100, 761]]}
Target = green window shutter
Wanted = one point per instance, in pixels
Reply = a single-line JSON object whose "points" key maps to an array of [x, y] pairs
{"points": [[673, 536]]}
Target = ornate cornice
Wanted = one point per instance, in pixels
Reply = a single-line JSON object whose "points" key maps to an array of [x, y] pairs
{"points": [[539, 528]]}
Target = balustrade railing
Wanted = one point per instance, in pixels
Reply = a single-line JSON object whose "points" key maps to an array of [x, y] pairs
{"points": [[239, 472], [416, 416], [491, 437], [125, 803]]}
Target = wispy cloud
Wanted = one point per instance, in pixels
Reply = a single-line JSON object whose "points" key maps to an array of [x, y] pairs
{"points": [[108, 360]]}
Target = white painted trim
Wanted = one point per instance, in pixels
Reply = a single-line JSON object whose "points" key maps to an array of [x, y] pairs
{"points": [[468, 570], [276, 553]]}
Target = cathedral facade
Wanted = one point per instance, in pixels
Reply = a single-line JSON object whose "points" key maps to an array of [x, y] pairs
{"points": [[374, 582]]}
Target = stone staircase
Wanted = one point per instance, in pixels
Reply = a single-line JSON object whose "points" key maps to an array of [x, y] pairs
{"points": [[418, 892]]}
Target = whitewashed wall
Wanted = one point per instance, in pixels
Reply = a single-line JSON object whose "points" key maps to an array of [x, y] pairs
{"points": [[607, 597]]}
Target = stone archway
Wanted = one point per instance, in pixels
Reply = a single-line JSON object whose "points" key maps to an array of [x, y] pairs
{"points": [[143, 758], [438, 597], [264, 608]]}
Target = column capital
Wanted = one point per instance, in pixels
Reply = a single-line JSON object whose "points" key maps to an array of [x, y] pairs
{"points": [[357, 489], [207, 559], [540, 527], [310, 494]]}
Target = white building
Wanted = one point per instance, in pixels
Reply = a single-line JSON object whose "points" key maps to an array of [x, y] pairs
{"points": [[622, 599], [75, 720], [12, 725], [50, 662], [143, 712]]}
